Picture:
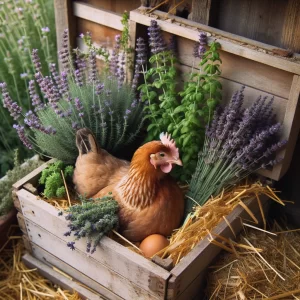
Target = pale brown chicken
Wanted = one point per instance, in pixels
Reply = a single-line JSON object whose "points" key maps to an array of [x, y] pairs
{"points": [[150, 200]]}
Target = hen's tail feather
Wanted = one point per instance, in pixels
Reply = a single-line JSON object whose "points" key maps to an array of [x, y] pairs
{"points": [[86, 141]]}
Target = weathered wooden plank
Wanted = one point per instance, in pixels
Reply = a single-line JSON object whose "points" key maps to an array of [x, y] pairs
{"points": [[88, 265], [58, 278], [251, 94], [21, 221], [227, 45], [290, 129], [64, 19], [99, 16], [52, 261], [200, 11], [259, 20], [218, 32], [290, 37], [201, 256], [33, 176], [251, 73], [142, 272]]}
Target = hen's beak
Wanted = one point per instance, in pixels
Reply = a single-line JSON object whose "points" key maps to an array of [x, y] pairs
{"points": [[176, 161]]}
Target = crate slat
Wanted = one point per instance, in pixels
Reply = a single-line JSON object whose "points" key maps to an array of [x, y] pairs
{"points": [[88, 265], [202, 255], [58, 278], [52, 261], [227, 45], [99, 16], [110, 254]]}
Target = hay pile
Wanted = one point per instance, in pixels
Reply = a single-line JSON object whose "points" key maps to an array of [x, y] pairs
{"points": [[205, 218], [19, 282], [268, 269]]}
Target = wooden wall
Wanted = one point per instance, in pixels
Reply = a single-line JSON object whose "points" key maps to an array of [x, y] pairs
{"points": [[275, 22]]}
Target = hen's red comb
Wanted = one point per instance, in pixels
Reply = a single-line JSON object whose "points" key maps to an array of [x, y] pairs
{"points": [[167, 141]]}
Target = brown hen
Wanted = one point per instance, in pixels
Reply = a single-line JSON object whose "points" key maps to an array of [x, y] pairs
{"points": [[150, 200]]}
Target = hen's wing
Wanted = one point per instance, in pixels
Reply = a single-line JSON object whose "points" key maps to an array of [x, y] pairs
{"points": [[95, 168]]}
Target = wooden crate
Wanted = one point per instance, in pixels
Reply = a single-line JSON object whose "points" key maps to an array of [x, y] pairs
{"points": [[113, 270]]}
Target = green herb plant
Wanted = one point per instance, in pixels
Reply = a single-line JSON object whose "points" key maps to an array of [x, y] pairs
{"points": [[92, 219], [12, 176], [53, 180], [186, 116]]}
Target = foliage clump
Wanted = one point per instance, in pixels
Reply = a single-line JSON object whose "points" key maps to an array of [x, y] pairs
{"points": [[184, 117], [92, 219], [25, 25], [53, 180], [12, 176], [77, 98]]}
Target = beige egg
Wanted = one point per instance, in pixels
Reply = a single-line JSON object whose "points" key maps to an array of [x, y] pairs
{"points": [[153, 243]]}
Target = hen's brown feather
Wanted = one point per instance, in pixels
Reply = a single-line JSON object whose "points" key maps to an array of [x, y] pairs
{"points": [[150, 200]]}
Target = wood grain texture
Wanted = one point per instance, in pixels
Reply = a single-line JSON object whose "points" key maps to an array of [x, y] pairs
{"points": [[191, 32], [96, 15], [242, 70], [117, 6], [88, 265], [290, 38], [202, 255], [258, 20], [200, 11], [52, 261], [111, 255], [58, 278]]}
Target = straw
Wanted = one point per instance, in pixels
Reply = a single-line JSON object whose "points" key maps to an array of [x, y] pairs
{"points": [[19, 282], [271, 274]]}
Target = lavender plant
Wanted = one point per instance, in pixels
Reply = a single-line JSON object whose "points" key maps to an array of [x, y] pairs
{"points": [[77, 97], [24, 25], [92, 219], [237, 143], [184, 117]]}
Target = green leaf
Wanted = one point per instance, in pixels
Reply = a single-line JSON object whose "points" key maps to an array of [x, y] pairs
{"points": [[184, 129], [151, 126], [179, 109]]}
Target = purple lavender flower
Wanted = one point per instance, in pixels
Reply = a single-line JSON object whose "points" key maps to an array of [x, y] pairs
{"points": [[99, 88], [81, 114], [81, 35], [75, 125], [55, 74], [23, 75], [114, 62], [78, 77], [80, 62], [21, 133], [93, 67], [156, 41], [64, 52], [13, 108], [78, 104], [45, 29], [141, 51], [121, 72], [36, 61], [64, 85], [71, 245], [127, 113]]}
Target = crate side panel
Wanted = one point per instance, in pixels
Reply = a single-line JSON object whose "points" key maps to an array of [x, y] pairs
{"points": [[201, 256], [112, 255], [87, 264], [53, 261], [58, 278]]}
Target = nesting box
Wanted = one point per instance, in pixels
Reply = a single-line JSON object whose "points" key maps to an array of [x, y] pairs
{"points": [[116, 272]]}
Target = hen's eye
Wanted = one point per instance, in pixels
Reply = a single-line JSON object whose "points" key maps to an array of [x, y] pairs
{"points": [[161, 154]]}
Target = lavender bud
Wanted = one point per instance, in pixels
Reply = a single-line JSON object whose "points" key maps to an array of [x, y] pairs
{"points": [[36, 61], [21, 133], [155, 38]]}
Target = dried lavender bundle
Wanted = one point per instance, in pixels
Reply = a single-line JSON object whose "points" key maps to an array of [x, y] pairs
{"points": [[237, 143]]}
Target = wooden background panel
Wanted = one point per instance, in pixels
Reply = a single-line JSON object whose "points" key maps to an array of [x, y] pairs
{"points": [[236, 68], [229, 87], [118, 6], [101, 35]]}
